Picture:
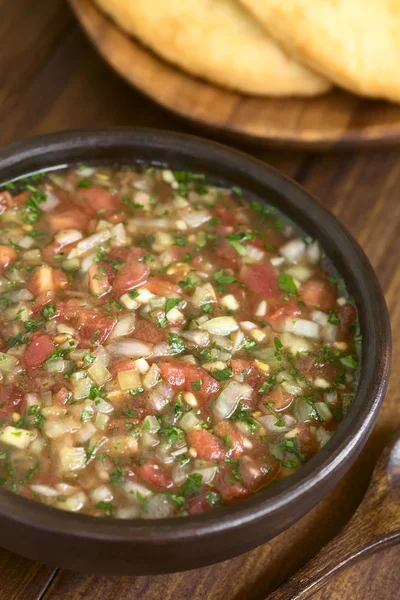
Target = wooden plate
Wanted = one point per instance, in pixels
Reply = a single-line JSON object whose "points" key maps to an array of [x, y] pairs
{"points": [[335, 119]]}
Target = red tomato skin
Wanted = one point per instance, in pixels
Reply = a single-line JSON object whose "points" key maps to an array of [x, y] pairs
{"points": [[161, 287], [223, 429], [307, 439], [154, 475], [256, 474], [11, 400], [88, 323], [67, 219], [229, 489], [6, 201], [260, 279], [38, 351], [207, 445], [281, 310], [121, 425], [318, 293], [278, 398], [196, 505], [7, 256], [123, 364], [253, 376], [146, 331], [132, 275], [228, 257], [94, 198], [180, 374]]}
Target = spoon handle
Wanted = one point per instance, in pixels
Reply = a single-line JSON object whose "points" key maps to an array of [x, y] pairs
{"points": [[342, 551], [374, 525]]}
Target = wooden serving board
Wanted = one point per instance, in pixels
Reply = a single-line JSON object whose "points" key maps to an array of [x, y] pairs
{"points": [[334, 119]]}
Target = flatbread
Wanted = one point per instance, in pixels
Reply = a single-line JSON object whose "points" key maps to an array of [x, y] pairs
{"points": [[354, 43], [217, 40]]}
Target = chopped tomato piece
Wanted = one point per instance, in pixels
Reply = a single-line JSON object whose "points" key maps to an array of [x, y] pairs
{"points": [[41, 281], [279, 398], [281, 310], [6, 201], [248, 371], [181, 374], [317, 293], [62, 396], [146, 331], [227, 255], [307, 439], [161, 287], [347, 316], [95, 199], [38, 351], [256, 473], [228, 488], [7, 256], [260, 279], [123, 364], [155, 475], [98, 280], [207, 445], [130, 276], [11, 400], [232, 439], [67, 219], [196, 505], [94, 327]]}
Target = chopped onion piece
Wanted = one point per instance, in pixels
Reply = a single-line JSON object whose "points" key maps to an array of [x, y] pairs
{"points": [[229, 301], [23, 295], [26, 242], [238, 341], [203, 294], [56, 365], [17, 437], [261, 310], [207, 474], [72, 459], [329, 333], [189, 421], [74, 503], [220, 325], [125, 326], [7, 362], [119, 233], [138, 224], [197, 337], [294, 250], [300, 273], [196, 218], [51, 202], [89, 243], [44, 490], [129, 380], [130, 348], [142, 365], [152, 376], [68, 236], [101, 494], [314, 253], [227, 401], [254, 254], [163, 349], [302, 328], [319, 317], [159, 507], [54, 429], [159, 396]]}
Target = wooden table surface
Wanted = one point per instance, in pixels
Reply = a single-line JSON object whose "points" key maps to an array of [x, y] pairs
{"points": [[52, 79]]}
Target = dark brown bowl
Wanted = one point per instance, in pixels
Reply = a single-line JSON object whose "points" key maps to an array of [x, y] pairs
{"points": [[135, 546]]}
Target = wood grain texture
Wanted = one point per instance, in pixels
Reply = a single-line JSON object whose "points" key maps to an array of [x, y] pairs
{"points": [[71, 87], [331, 120], [374, 526]]}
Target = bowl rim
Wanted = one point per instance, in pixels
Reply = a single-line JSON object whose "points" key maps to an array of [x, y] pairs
{"points": [[340, 452]]}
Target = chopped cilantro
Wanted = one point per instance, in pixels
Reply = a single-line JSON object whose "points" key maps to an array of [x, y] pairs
{"points": [[197, 385], [84, 183], [107, 507], [171, 303], [192, 485], [287, 284], [49, 311], [176, 343], [222, 374]]}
